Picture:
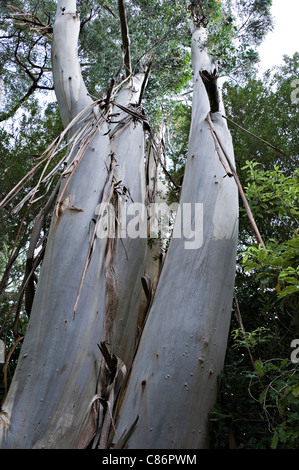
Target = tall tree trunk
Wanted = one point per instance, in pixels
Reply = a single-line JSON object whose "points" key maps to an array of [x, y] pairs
{"points": [[82, 338], [174, 379], [89, 287]]}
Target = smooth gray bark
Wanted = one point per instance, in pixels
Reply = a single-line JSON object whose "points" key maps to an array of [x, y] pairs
{"points": [[175, 374]]}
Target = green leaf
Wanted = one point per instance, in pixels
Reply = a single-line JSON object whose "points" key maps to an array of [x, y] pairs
{"points": [[289, 290], [295, 390], [274, 441], [259, 368], [294, 242], [261, 255]]}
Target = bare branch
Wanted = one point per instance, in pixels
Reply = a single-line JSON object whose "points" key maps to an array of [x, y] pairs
{"points": [[31, 90], [31, 21], [259, 138], [144, 83]]}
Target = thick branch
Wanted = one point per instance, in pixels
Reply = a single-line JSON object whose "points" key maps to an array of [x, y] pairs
{"points": [[31, 90], [12, 259], [71, 92], [125, 37], [31, 21]]}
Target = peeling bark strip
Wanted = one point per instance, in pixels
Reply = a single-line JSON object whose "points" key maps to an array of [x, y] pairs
{"points": [[52, 151], [32, 261], [260, 139], [111, 379], [111, 303]]}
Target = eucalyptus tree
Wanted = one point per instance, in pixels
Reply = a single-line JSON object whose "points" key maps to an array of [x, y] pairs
{"points": [[124, 346]]}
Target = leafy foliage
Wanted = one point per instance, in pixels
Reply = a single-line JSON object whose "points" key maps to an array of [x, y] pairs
{"points": [[25, 58], [264, 107]]}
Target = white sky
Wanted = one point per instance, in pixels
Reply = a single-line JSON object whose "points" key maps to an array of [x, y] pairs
{"points": [[285, 37]]}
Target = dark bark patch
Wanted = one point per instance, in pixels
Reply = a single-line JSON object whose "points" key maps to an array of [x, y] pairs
{"points": [[210, 83], [143, 385], [62, 368]]}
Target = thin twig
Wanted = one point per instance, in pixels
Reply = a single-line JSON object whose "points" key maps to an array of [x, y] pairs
{"points": [[241, 325], [240, 188], [5, 367], [48, 155], [259, 138]]}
